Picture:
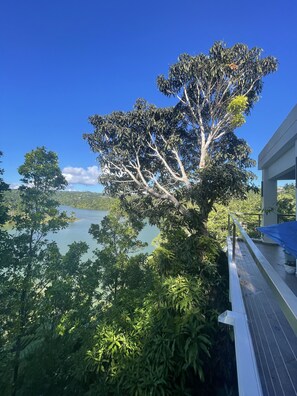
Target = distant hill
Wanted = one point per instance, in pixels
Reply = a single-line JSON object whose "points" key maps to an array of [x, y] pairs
{"points": [[85, 200], [76, 199]]}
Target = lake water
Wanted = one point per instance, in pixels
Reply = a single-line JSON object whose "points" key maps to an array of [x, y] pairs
{"points": [[78, 230]]}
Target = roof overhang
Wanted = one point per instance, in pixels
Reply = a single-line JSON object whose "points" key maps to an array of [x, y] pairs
{"points": [[279, 155]]}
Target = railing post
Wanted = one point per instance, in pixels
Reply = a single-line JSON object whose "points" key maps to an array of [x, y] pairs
{"points": [[233, 241]]}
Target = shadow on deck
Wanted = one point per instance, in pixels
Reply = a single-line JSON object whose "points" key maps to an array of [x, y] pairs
{"points": [[275, 343]]}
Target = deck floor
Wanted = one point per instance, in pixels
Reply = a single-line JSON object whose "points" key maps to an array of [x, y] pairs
{"points": [[275, 255], [274, 341]]}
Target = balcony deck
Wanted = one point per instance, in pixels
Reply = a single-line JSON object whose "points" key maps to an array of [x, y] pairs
{"points": [[275, 343]]}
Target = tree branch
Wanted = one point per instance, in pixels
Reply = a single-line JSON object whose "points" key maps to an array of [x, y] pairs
{"points": [[162, 159]]}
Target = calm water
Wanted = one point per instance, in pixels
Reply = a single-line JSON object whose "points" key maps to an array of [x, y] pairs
{"points": [[78, 231]]}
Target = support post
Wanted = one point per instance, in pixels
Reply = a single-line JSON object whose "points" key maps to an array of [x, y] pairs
{"points": [[269, 201], [233, 241]]}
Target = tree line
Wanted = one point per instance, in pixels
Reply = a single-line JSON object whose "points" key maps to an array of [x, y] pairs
{"points": [[75, 199], [125, 323]]}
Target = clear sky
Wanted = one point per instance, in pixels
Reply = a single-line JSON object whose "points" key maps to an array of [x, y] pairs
{"points": [[62, 61]]}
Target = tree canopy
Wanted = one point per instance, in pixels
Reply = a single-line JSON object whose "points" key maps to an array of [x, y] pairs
{"points": [[216, 90], [23, 260], [183, 159]]}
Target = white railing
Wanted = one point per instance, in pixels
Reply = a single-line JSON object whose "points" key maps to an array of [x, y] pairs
{"points": [[284, 295], [247, 371]]}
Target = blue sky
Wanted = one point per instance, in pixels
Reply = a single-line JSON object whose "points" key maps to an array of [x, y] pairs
{"points": [[62, 61]]}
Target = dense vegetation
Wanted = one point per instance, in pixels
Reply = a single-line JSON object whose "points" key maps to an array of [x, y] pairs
{"points": [[249, 211], [125, 323]]}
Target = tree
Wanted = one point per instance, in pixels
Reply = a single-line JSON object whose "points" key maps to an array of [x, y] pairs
{"points": [[182, 160], [54, 361], [22, 274], [3, 187], [117, 237], [247, 210], [41, 178], [286, 204], [216, 90]]}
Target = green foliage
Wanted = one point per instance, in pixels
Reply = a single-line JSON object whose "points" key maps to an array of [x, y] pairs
{"points": [[41, 171], [248, 211], [41, 177], [23, 263], [3, 188], [167, 341], [117, 236], [237, 107], [175, 163], [286, 201], [230, 71], [118, 324]]}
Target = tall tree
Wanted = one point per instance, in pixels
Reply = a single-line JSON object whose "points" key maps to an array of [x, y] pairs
{"points": [[3, 187], [117, 237], [216, 90], [22, 274], [183, 159], [286, 204]]}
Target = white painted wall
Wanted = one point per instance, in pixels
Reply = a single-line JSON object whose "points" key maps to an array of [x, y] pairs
{"points": [[277, 161]]}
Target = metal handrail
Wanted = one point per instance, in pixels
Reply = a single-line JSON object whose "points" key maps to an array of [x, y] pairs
{"points": [[279, 216], [284, 295]]}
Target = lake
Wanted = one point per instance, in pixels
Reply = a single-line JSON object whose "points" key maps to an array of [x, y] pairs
{"points": [[78, 230]]}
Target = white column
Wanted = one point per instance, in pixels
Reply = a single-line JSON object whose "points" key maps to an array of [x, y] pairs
{"points": [[269, 199]]}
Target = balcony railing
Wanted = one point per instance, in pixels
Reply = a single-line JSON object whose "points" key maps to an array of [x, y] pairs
{"points": [[247, 372], [282, 292], [250, 221]]}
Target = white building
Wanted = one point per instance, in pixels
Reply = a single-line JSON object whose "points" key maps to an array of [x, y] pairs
{"points": [[278, 161]]}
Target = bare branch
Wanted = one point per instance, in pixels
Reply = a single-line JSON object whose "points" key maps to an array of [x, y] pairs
{"points": [[189, 105], [172, 198], [181, 167], [162, 159]]}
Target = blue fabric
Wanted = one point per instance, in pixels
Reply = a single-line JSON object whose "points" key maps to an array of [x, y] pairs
{"points": [[285, 234]]}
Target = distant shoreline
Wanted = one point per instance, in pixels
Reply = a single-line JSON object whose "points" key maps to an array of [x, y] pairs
{"points": [[75, 199]]}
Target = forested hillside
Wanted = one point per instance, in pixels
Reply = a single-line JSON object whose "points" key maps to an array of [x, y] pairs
{"points": [[84, 200], [76, 199]]}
